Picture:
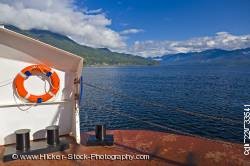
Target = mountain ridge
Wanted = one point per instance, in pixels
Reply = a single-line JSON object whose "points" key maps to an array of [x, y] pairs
{"points": [[212, 56], [92, 56]]}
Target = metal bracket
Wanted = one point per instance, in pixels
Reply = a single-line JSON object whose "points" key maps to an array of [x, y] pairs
{"points": [[77, 96], [77, 81]]}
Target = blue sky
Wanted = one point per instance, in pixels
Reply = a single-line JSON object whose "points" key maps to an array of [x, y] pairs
{"points": [[147, 28], [175, 19]]}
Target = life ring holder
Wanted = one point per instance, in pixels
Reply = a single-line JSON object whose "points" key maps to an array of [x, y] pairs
{"points": [[37, 70]]}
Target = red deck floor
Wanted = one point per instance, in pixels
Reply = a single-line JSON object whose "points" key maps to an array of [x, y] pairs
{"points": [[163, 148]]}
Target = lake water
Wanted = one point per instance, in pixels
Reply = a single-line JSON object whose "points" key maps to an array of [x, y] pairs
{"points": [[215, 91]]}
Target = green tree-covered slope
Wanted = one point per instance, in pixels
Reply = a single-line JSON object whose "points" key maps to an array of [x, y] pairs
{"points": [[92, 56]]}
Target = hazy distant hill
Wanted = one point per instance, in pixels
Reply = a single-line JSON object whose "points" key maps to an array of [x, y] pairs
{"points": [[93, 56], [213, 56]]}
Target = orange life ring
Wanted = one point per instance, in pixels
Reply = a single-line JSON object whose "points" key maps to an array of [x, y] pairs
{"points": [[35, 70]]}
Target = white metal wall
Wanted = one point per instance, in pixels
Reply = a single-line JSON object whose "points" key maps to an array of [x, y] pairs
{"points": [[37, 117]]}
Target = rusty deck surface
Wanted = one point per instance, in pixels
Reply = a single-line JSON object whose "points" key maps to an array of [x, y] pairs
{"points": [[163, 148]]}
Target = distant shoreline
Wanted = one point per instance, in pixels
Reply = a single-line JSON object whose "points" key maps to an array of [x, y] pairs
{"points": [[169, 65], [112, 66]]}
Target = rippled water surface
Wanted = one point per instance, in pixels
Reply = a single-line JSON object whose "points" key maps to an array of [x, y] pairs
{"points": [[215, 91]]}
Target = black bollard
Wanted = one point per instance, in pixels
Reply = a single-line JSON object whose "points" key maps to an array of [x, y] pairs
{"points": [[100, 138], [22, 139], [100, 132], [24, 146], [53, 135]]}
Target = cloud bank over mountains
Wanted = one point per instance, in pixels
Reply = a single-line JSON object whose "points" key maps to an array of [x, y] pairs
{"points": [[221, 40], [61, 16], [91, 28]]}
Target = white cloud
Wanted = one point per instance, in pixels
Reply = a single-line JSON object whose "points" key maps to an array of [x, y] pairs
{"points": [[222, 40], [131, 31], [96, 11], [91, 27], [61, 16]]}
